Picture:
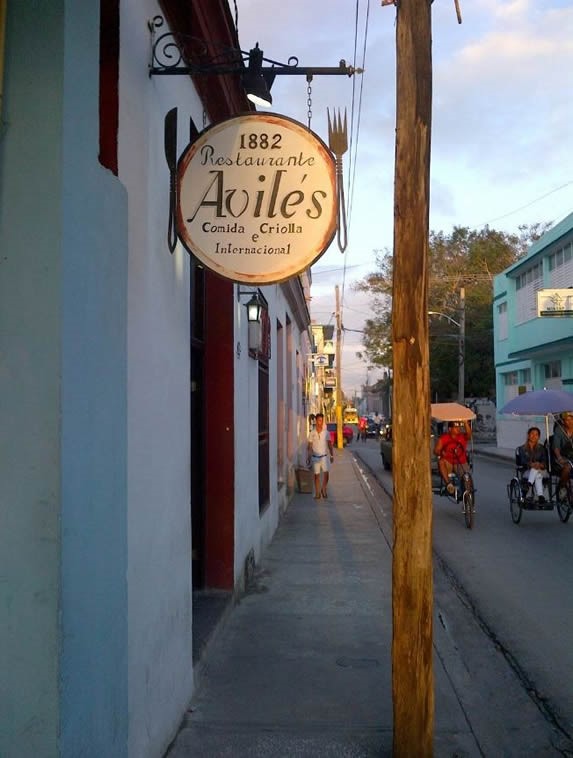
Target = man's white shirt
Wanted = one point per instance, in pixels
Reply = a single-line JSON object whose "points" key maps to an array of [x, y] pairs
{"points": [[319, 442]]}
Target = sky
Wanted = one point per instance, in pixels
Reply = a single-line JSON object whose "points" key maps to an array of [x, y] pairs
{"points": [[502, 123]]}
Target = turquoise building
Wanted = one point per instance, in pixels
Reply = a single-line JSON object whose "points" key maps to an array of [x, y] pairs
{"points": [[532, 352]]}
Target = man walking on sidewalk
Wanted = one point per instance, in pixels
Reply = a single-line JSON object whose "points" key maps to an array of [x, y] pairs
{"points": [[320, 452]]}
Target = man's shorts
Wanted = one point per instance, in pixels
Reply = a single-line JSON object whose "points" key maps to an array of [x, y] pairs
{"points": [[567, 464], [459, 468], [320, 463]]}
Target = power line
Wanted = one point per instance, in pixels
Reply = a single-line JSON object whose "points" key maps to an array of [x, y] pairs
{"points": [[527, 205], [354, 136], [337, 268]]}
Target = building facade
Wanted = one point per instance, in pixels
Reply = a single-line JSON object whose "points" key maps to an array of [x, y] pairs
{"points": [[146, 454], [531, 351]]}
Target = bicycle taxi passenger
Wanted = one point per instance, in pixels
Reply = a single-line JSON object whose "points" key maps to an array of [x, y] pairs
{"points": [[563, 452], [532, 458], [451, 451]]}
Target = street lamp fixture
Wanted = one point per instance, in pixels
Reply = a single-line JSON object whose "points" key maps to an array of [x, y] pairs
{"points": [[257, 85], [170, 57], [445, 315], [254, 308]]}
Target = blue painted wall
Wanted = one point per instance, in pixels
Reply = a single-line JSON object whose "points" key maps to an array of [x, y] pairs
{"points": [[63, 499]]}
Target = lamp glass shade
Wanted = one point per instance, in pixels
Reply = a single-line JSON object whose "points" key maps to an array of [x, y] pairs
{"points": [[254, 310], [258, 92], [256, 86]]}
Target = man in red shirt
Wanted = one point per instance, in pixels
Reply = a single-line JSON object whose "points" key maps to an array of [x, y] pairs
{"points": [[451, 450]]}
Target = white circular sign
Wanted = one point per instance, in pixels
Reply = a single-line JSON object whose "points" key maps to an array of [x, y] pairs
{"points": [[256, 198]]}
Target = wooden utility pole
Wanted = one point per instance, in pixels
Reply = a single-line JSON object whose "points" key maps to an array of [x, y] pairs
{"points": [[339, 437], [412, 590]]}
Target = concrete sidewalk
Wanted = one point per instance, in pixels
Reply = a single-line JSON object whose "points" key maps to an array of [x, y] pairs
{"points": [[302, 666]]}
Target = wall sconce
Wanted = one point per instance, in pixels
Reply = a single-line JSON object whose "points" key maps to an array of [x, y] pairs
{"points": [[258, 85], [168, 59], [254, 308]]}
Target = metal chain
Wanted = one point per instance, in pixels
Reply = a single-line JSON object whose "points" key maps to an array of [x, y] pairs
{"points": [[309, 98], [204, 118]]}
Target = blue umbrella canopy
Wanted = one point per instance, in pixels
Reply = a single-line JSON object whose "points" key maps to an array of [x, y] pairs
{"points": [[540, 403]]}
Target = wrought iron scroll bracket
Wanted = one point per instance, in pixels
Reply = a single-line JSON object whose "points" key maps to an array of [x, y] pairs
{"points": [[168, 58]]}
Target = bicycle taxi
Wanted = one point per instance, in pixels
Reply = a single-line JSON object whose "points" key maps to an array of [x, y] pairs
{"points": [[462, 488], [548, 404]]}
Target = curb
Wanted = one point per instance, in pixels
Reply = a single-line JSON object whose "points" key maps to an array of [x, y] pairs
{"points": [[495, 455]]}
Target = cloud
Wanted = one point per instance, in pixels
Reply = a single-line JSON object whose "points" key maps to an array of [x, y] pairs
{"points": [[502, 115]]}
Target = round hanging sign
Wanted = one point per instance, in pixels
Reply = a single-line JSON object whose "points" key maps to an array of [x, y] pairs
{"points": [[256, 198]]}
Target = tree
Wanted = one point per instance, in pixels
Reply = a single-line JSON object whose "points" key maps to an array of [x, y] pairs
{"points": [[465, 258]]}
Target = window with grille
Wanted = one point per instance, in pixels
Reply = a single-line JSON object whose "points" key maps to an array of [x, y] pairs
{"points": [[510, 378], [552, 370], [560, 265], [502, 321], [527, 284]]}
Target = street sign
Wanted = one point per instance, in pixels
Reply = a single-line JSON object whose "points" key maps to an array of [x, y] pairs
{"points": [[321, 360], [555, 302]]}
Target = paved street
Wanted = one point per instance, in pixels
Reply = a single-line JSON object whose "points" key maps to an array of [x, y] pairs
{"points": [[515, 579]]}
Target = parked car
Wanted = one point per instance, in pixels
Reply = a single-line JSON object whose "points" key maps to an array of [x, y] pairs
{"points": [[347, 433], [372, 428], [386, 444], [386, 447]]}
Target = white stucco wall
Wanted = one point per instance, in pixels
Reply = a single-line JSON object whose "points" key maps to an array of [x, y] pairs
{"points": [[249, 525], [254, 531], [512, 430], [159, 524]]}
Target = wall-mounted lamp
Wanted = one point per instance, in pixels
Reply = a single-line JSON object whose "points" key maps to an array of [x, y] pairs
{"points": [[258, 85], [168, 59], [255, 307]]}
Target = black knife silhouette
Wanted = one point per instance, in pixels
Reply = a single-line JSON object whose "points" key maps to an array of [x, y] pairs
{"points": [[171, 158]]}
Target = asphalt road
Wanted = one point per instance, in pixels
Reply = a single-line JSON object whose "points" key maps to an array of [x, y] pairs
{"points": [[515, 579]]}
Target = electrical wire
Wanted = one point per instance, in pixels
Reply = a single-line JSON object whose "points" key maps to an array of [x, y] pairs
{"points": [[527, 205], [354, 132]]}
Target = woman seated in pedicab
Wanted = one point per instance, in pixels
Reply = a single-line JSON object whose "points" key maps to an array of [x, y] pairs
{"points": [[531, 457], [451, 451]]}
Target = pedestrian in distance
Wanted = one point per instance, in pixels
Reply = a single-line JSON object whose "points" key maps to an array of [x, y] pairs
{"points": [[321, 454], [532, 456]]}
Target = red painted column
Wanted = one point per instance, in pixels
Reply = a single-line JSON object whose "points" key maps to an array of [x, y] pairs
{"points": [[219, 433]]}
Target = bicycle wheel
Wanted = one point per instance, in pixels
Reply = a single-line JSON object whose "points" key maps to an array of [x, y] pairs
{"points": [[515, 497], [564, 507], [469, 508]]}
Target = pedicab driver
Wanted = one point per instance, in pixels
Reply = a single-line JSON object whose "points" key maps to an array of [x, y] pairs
{"points": [[451, 450], [320, 453], [563, 452]]}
